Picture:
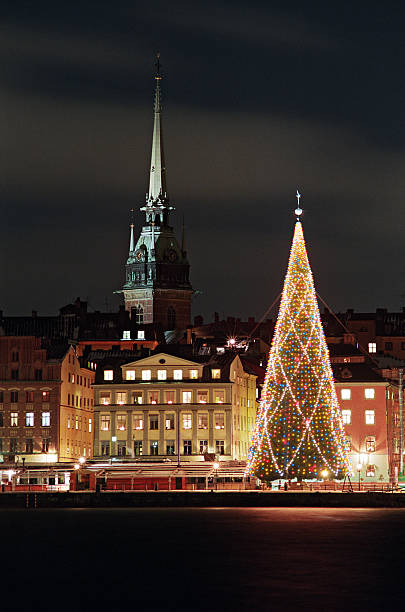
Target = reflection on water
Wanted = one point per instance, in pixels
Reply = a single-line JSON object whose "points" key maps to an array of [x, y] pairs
{"points": [[205, 559]]}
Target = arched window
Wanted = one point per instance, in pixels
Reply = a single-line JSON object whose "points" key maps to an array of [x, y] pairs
{"points": [[138, 314], [171, 318]]}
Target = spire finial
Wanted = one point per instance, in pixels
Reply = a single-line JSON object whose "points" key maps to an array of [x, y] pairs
{"points": [[298, 210], [157, 64]]}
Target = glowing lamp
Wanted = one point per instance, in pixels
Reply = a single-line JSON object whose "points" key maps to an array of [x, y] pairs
{"points": [[324, 473], [216, 465], [76, 466], [82, 460]]}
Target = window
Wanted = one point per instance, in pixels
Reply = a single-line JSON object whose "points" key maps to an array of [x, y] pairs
{"points": [[220, 447], [215, 373], [14, 374], [194, 374], [178, 374], [138, 421], [370, 470], [121, 422], [154, 421], [105, 447], [171, 318], [121, 397], [105, 398], [203, 447], [89, 425], [369, 393], [219, 420], [45, 396], [130, 375], [372, 347], [170, 397], [14, 419], [370, 444], [348, 443], [29, 445], [108, 374], [29, 419], [187, 421], [186, 447], [137, 448], [388, 346], [1, 419], [202, 421], [77, 422], [38, 374], [169, 447], [154, 447], [126, 335], [105, 422], [162, 374], [29, 397], [153, 397], [169, 421], [347, 416], [14, 356], [137, 397], [219, 396], [346, 394], [202, 397], [146, 374], [121, 448], [13, 445], [14, 397], [141, 334], [138, 314], [370, 417], [186, 397], [45, 445]]}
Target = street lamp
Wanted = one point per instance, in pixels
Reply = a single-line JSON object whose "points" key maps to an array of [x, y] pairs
{"points": [[216, 466], [359, 466]]}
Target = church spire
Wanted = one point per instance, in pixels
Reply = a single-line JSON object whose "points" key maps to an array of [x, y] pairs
{"points": [[131, 237], [157, 181]]}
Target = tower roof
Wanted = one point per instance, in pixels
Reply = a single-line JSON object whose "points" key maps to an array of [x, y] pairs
{"points": [[157, 178]]}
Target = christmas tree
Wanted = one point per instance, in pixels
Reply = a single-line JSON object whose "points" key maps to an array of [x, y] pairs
{"points": [[299, 429]]}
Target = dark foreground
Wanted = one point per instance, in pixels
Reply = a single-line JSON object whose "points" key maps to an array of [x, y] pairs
{"points": [[212, 559]]}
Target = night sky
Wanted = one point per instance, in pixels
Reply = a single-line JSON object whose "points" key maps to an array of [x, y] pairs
{"points": [[258, 99]]}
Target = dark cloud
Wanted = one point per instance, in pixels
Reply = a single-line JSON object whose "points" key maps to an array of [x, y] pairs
{"points": [[257, 101]]}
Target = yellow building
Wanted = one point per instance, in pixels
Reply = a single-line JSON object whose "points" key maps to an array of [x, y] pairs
{"points": [[166, 406]]}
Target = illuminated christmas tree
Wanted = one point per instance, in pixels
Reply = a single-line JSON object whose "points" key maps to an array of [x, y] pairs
{"points": [[299, 430]]}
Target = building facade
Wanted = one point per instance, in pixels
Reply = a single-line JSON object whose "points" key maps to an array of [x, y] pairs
{"points": [[46, 402], [166, 406]]}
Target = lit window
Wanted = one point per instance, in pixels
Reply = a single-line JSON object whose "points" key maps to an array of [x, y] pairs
{"points": [[219, 396], [141, 335], [138, 421], [372, 347], [46, 419], [348, 443], [105, 397], [68, 422], [154, 447], [203, 447], [186, 395], [14, 419], [45, 396], [108, 375], [105, 422], [130, 375], [202, 421], [29, 419], [178, 374], [121, 397], [215, 373], [370, 470], [370, 417], [346, 394], [146, 375], [154, 422], [220, 447], [153, 397], [170, 421], [77, 422], [162, 374], [89, 425], [187, 447], [369, 393], [126, 335], [187, 421], [137, 397], [347, 417], [219, 420], [194, 374], [121, 422], [170, 397], [170, 447], [370, 444], [202, 397]]}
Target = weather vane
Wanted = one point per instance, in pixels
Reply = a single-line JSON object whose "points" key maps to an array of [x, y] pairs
{"points": [[298, 210]]}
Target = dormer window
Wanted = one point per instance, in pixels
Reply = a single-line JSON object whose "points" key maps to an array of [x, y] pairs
{"points": [[215, 373], [126, 335], [108, 375], [141, 334]]}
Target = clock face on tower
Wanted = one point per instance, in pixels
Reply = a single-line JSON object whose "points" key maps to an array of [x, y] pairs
{"points": [[139, 255], [172, 255]]}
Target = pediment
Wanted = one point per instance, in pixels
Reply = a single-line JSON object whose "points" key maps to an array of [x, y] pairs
{"points": [[156, 360]]}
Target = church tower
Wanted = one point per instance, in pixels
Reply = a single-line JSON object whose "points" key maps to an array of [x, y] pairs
{"points": [[157, 287]]}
